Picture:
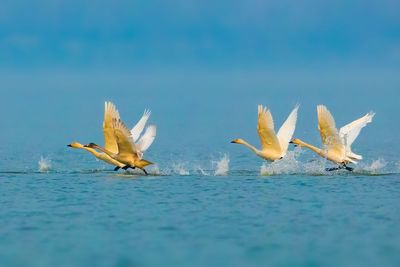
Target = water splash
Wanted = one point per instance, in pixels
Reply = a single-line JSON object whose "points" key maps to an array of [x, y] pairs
{"points": [[222, 166], [202, 171], [44, 164], [287, 165], [316, 166], [179, 168], [375, 166], [154, 169]]}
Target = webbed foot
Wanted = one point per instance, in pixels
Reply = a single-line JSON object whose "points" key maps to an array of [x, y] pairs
{"points": [[350, 169]]}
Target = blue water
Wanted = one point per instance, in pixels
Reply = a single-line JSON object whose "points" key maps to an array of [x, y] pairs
{"points": [[80, 213]]}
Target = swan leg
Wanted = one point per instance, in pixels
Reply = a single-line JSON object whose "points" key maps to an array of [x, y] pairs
{"points": [[125, 167], [348, 168], [145, 172], [117, 168], [333, 169], [341, 167]]}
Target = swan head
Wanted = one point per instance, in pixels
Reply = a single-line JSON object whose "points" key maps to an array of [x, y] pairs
{"points": [[237, 141], [75, 145], [296, 142], [91, 145]]}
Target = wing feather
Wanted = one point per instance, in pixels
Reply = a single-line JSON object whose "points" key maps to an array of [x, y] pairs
{"points": [[139, 127], [287, 129], [350, 132], [327, 128], [110, 114], [124, 138], [266, 130], [147, 139]]}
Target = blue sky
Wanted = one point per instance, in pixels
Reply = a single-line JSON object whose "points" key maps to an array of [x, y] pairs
{"points": [[245, 34], [202, 67]]}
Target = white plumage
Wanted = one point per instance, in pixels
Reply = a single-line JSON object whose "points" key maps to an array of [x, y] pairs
{"points": [[287, 129], [349, 133], [143, 142]]}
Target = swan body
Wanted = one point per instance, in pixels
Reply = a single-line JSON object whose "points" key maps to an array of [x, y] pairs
{"points": [[337, 144], [273, 146]]}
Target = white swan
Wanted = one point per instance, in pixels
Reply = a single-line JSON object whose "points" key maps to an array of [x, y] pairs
{"points": [[337, 144], [131, 144], [274, 146]]}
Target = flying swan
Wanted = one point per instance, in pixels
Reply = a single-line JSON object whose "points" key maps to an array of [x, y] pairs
{"points": [[130, 145], [274, 146], [337, 143]]}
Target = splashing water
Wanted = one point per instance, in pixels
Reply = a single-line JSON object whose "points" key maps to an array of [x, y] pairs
{"points": [[375, 166], [287, 165], [44, 164], [222, 166], [317, 167], [155, 169], [179, 169], [202, 171]]}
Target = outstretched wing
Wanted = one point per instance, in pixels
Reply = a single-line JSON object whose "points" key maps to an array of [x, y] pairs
{"points": [[110, 114], [327, 128], [147, 139], [124, 139], [138, 128], [266, 130], [286, 131], [350, 132]]}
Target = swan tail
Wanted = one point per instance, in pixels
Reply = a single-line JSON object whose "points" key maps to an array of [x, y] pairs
{"points": [[351, 160], [143, 163], [354, 156]]}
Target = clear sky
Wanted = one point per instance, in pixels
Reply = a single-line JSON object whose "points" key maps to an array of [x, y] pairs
{"points": [[206, 33]]}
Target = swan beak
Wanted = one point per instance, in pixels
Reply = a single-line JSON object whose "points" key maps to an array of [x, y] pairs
{"points": [[69, 145], [233, 142]]}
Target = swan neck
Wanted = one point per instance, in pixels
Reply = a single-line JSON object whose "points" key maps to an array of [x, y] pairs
{"points": [[91, 150], [105, 151], [311, 147], [255, 150]]}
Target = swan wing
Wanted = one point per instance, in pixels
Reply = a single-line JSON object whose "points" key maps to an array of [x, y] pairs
{"points": [[110, 114], [286, 131], [124, 139], [327, 129], [266, 130], [147, 139], [139, 127], [350, 132]]}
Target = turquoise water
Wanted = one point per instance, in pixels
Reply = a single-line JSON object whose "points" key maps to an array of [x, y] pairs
{"points": [[77, 212]]}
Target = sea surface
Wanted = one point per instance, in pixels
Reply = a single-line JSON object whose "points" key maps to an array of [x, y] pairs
{"points": [[205, 202]]}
